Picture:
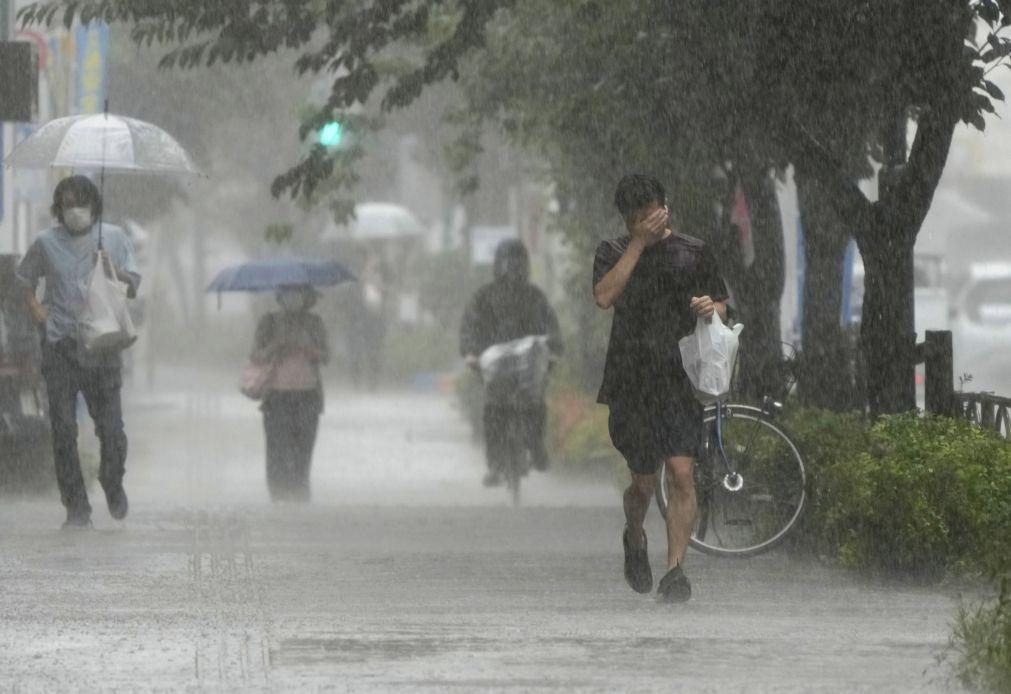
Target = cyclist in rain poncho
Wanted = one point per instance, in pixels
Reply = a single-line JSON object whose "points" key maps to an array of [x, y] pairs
{"points": [[506, 309]]}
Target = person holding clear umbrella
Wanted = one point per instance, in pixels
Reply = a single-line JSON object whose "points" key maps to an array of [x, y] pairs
{"points": [[64, 255]]}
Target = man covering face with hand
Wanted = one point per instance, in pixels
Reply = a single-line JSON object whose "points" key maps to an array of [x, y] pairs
{"points": [[659, 281]]}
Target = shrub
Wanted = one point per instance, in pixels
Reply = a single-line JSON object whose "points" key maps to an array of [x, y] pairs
{"points": [[911, 495], [828, 441], [981, 643]]}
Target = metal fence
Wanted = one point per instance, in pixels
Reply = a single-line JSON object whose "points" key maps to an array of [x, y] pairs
{"points": [[986, 410]]}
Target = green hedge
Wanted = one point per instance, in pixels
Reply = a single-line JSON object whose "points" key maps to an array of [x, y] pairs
{"points": [[917, 496]]}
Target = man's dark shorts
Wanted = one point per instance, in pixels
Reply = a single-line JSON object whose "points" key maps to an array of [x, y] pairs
{"points": [[651, 430]]}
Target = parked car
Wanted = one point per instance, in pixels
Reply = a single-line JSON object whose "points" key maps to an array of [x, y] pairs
{"points": [[25, 454], [981, 328]]}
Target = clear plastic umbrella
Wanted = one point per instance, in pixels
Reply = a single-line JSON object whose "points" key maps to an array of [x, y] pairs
{"points": [[103, 142], [375, 221]]}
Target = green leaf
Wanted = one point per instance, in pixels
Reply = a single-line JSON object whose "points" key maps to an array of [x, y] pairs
{"points": [[68, 14], [993, 90]]}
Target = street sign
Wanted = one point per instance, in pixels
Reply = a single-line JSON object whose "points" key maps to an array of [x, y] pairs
{"points": [[6, 28], [19, 81], [91, 45]]}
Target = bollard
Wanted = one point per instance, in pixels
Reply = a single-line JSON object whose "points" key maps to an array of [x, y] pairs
{"points": [[938, 366]]}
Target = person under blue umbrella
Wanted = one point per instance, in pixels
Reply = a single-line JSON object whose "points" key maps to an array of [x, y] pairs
{"points": [[293, 342]]}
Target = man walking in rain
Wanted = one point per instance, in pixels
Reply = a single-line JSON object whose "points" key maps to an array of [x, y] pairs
{"points": [[658, 280], [509, 308], [64, 256]]}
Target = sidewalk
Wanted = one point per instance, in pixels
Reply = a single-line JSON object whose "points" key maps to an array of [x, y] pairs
{"points": [[196, 440]]}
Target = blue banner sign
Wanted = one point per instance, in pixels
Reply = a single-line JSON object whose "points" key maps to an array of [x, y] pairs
{"points": [[91, 46]]}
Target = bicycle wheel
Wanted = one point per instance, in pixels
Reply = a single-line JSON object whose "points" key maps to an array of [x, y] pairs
{"points": [[750, 514], [516, 461]]}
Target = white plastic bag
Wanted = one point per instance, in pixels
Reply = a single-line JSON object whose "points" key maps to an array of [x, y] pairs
{"points": [[708, 356], [516, 371], [105, 322]]}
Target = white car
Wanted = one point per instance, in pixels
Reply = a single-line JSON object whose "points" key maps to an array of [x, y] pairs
{"points": [[981, 329]]}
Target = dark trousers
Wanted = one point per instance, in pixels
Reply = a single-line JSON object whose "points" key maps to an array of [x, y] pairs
{"points": [[529, 420], [65, 377], [290, 421]]}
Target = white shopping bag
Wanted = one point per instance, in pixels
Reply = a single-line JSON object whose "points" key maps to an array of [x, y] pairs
{"points": [[516, 371], [708, 356], [105, 322]]}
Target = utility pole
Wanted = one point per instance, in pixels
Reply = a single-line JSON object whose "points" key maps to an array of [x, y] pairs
{"points": [[6, 142], [19, 103]]}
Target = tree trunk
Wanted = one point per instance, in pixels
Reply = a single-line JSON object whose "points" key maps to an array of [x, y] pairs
{"points": [[887, 331], [887, 328], [825, 375], [758, 289], [885, 232]]}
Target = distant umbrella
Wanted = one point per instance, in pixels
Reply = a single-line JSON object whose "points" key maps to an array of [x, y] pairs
{"points": [[376, 221], [274, 273]]}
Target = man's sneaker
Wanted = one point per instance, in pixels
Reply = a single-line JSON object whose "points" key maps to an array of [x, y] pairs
{"points": [[118, 503], [492, 479], [77, 521], [637, 571], [674, 586]]}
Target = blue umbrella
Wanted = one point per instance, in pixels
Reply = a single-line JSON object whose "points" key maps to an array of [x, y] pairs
{"points": [[273, 273]]}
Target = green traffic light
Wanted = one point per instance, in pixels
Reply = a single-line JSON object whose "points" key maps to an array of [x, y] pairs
{"points": [[331, 134]]}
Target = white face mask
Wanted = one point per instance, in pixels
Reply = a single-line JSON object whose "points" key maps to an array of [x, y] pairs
{"points": [[78, 219]]}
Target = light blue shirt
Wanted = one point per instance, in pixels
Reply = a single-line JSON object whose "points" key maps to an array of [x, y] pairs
{"points": [[66, 262]]}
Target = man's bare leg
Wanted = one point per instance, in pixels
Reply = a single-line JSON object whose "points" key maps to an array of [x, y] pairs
{"points": [[681, 507], [638, 573], [636, 502]]}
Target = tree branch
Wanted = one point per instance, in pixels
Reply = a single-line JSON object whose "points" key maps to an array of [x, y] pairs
{"points": [[915, 186], [842, 192]]}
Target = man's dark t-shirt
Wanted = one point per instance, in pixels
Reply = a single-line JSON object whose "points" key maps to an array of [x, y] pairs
{"points": [[652, 314]]}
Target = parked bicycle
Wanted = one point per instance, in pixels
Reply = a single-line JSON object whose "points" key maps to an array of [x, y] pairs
{"points": [[750, 482]]}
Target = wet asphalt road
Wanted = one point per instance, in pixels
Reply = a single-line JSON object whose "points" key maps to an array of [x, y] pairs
{"points": [[404, 575]]}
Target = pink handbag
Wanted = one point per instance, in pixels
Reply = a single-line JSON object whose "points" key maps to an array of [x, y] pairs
{"points": [[254, 381]]}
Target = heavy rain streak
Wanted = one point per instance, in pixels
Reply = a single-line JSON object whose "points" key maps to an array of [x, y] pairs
{"points": [[488, 345]]}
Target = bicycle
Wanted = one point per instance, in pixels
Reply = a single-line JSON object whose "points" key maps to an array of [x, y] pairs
{"points": [[515, 376], [750, 482], [518, 456]]}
